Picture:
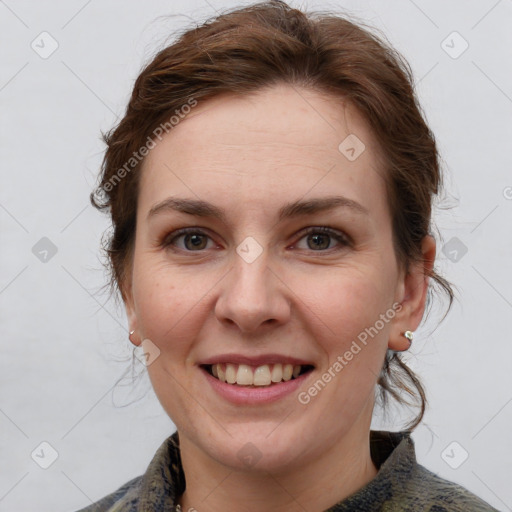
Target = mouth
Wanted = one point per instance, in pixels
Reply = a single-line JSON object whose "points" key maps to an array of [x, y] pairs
{"points": [[248, 376]]}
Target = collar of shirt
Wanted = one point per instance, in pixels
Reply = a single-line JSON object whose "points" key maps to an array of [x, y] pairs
{"points": [[392, 452]]}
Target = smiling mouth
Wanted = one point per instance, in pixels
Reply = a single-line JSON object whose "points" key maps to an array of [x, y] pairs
{"points": [[260, 376]]}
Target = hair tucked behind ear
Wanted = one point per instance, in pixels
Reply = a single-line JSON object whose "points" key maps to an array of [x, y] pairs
{"points": [[247, 49]]}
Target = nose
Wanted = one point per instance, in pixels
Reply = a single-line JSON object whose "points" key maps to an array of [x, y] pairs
{"points": [[253, 296]]}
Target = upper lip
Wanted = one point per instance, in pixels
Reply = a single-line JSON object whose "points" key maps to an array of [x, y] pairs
{"points": [[254, 360]]}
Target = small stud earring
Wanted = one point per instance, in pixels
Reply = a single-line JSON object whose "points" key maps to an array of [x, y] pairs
{"points": [[130, 336], [409, 335]]}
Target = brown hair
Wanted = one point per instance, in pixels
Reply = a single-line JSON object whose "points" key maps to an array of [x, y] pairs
{"points": [[247, 49]]}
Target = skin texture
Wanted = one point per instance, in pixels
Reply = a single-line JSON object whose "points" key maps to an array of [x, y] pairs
{"points": [[301, 297]]}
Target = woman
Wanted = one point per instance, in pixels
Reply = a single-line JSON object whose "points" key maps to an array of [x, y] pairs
{"points": [[270, 188]]}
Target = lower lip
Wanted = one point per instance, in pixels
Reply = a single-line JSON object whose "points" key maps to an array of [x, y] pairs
{"points": [[244, 395]]}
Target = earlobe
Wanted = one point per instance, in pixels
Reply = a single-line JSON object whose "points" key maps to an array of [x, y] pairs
{"points": [[132, 322], [402, 342], [134, 338], [413, 290], [132, 318]]}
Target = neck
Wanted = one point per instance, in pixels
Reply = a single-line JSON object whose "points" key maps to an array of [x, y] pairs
{"points": [[315, 484]]}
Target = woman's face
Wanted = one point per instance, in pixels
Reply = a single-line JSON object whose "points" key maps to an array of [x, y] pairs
{"points": [[249, 294]]}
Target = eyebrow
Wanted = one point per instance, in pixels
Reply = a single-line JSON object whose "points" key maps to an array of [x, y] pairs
{"points": [[200, 208]]}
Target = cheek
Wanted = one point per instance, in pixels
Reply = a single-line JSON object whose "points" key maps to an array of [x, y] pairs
{"points": [[169, 306], [171, 312], [347, 302], [352, 313]]}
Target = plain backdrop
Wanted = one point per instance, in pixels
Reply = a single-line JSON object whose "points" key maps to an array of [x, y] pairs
{"points": [[66, 377]]}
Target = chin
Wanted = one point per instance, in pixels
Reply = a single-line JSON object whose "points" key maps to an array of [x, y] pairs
{"points": [[256, 447]]}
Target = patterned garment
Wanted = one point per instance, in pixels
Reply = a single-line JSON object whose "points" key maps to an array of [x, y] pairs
{"points": [[401, 484]]}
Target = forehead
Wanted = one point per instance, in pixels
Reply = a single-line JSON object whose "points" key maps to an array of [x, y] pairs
{"points": [[280, 142]]}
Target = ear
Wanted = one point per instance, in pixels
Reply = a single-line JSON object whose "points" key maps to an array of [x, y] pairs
{"points": [[412, 295], [131, 313]]}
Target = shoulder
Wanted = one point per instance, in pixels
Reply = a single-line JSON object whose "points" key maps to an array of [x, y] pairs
{"points": [[125, 498], [441, 495], [404, 485]]}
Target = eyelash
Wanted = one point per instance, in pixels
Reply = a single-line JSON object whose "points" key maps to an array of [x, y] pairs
{"points": [[343, 239]]}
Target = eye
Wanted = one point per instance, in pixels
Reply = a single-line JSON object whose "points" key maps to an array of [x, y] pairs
{"points": [[194, 239], [321, 238]]}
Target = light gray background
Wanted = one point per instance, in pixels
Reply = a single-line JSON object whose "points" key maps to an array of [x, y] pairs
{"points": [[64, 348]]}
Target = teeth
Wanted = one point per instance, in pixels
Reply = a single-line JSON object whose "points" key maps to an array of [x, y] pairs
{"points": [[230, 373], [262, 376], [287, 371], [277, 373], [244, 375], [265, 375]]}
